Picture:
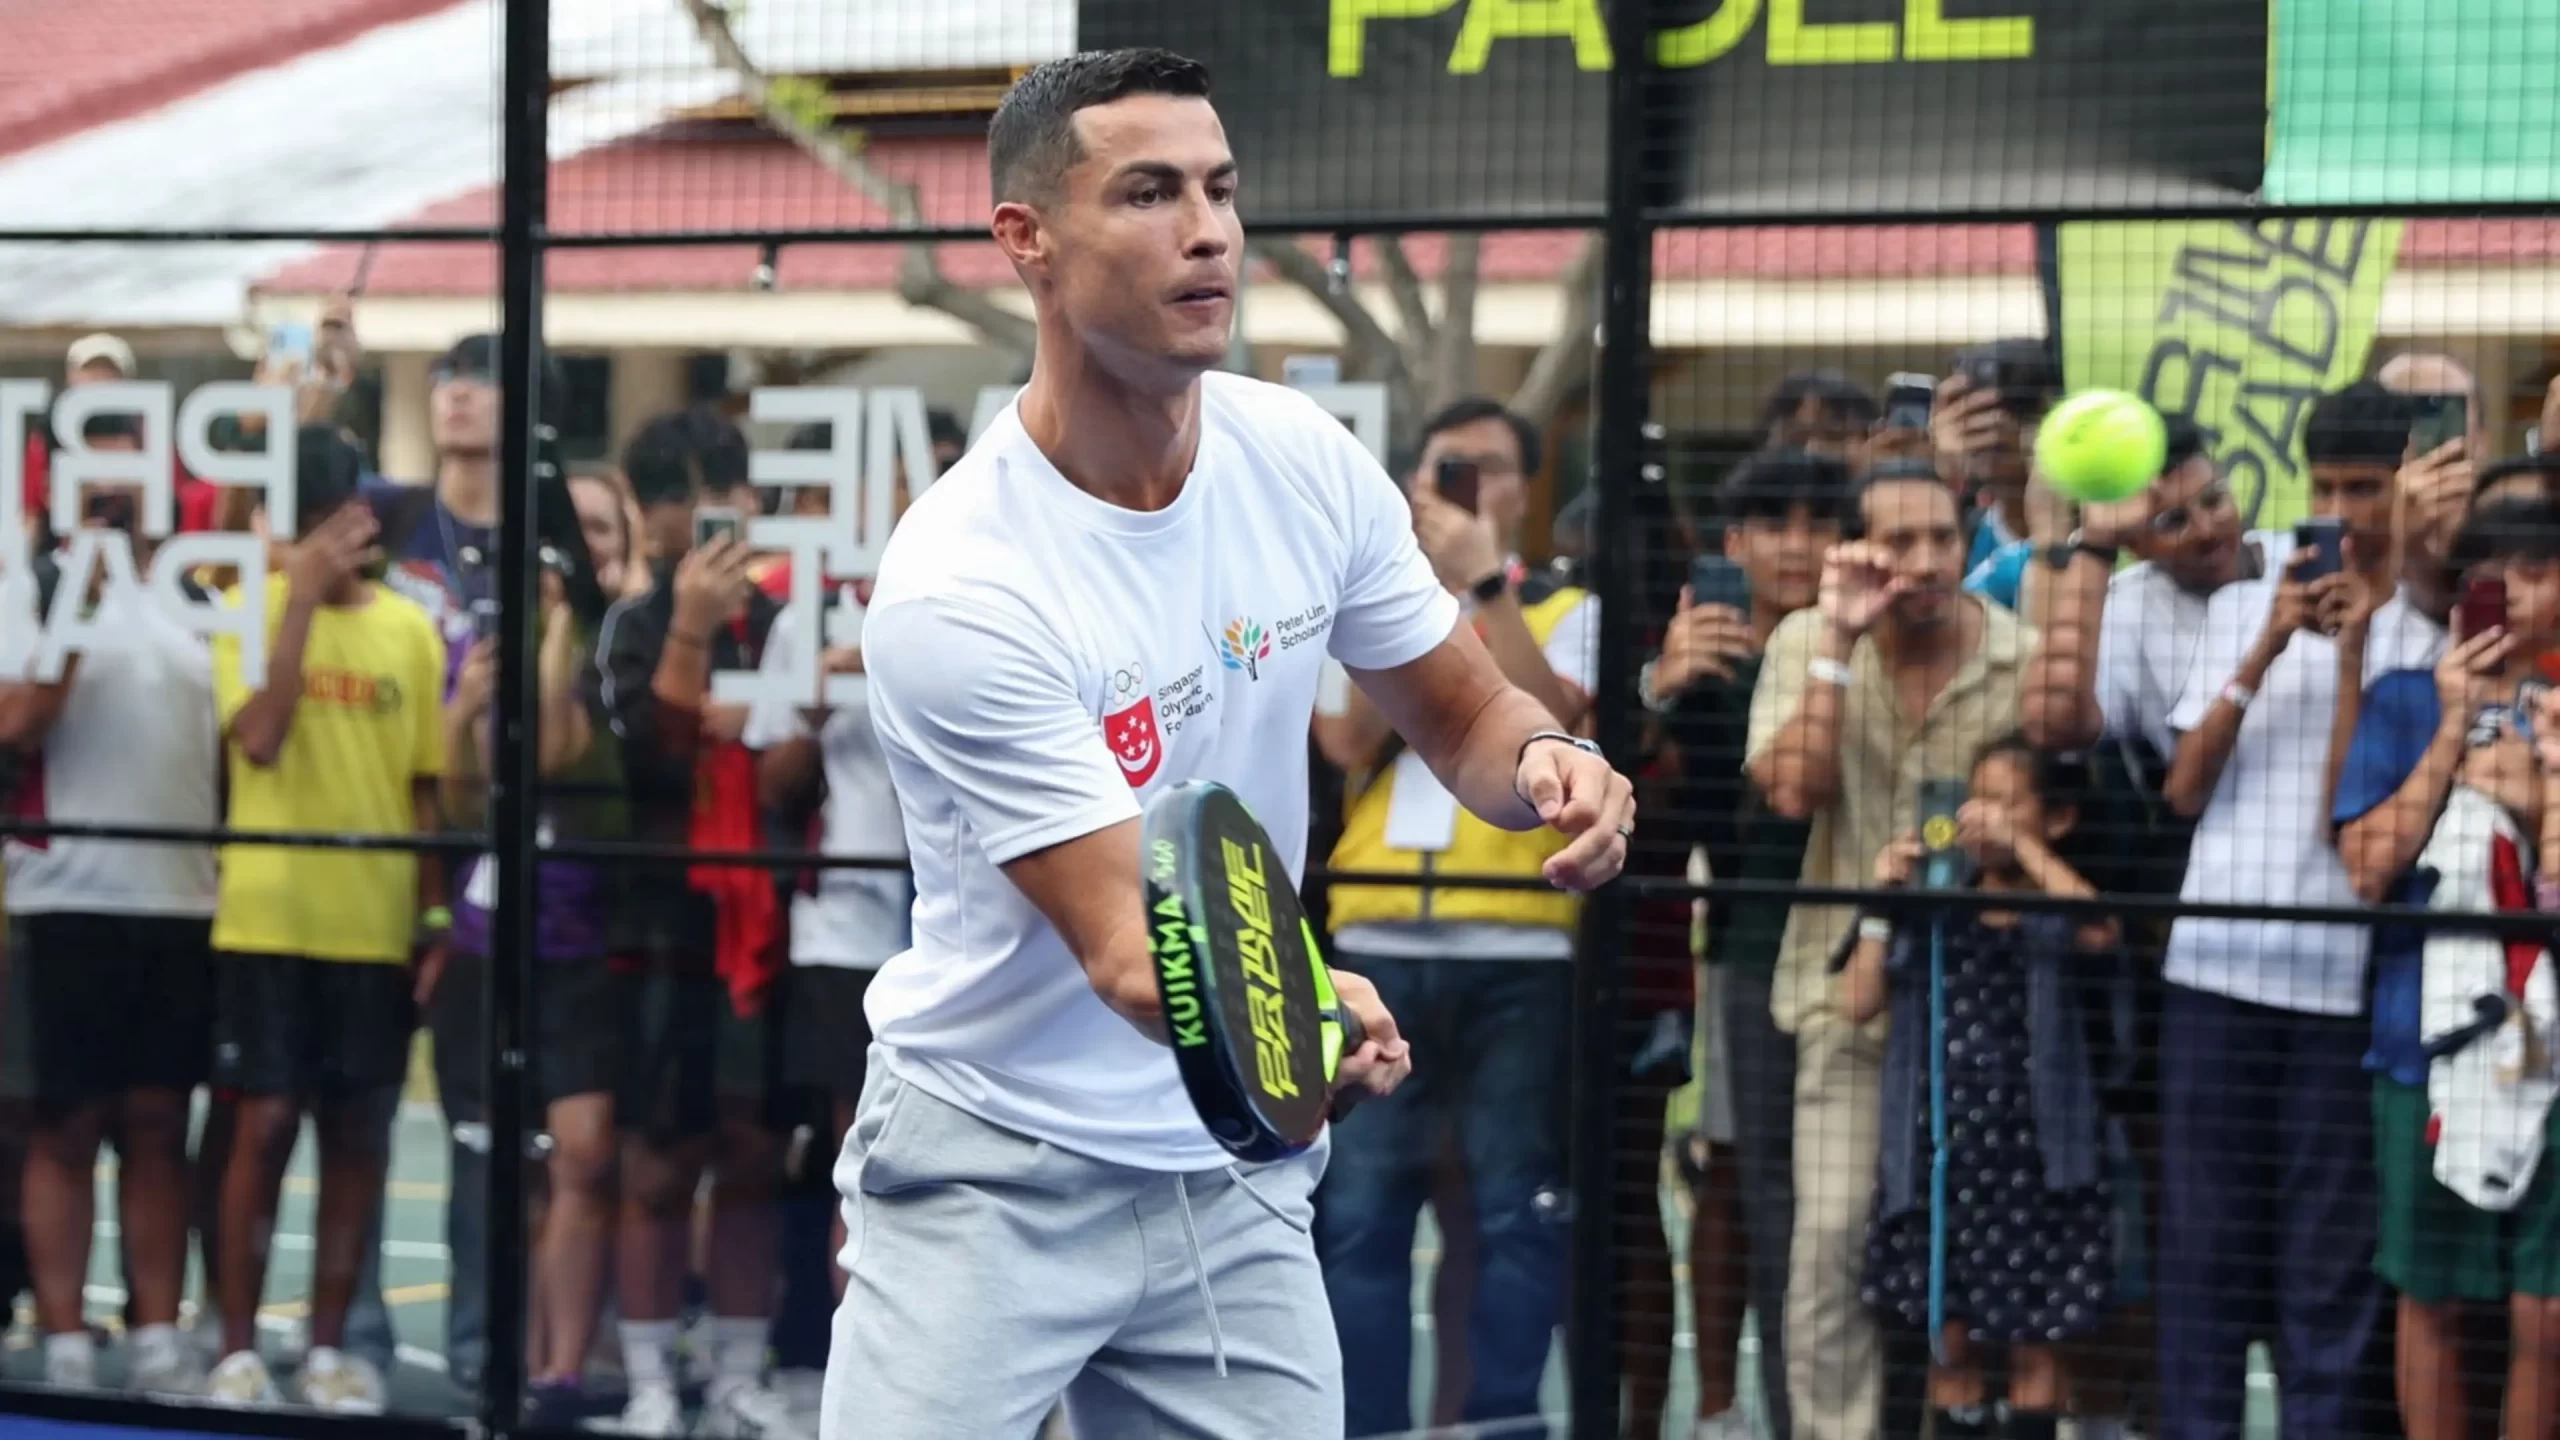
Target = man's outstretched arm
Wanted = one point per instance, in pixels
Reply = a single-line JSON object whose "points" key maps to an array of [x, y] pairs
{"points": [[1472, 727]]}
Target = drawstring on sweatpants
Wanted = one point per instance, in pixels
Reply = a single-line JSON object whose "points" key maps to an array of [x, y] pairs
{"points": [[1200, 1271]]}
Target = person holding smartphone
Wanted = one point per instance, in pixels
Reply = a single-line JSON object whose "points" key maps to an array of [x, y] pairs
{"points": [[2273, 1009], [2449, 445], [1484, 972], [2427, 736], [702, 1043], [1781, 512]]}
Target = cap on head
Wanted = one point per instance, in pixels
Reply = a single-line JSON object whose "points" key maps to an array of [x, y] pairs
{"points": [[101, 349], [1031, 141]]}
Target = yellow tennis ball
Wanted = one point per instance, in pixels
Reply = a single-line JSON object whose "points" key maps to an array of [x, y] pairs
{"points": [[2102, 446]]}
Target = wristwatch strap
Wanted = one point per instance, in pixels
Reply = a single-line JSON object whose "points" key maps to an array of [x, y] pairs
{"points": [[1491, 587], [2059, 556], [1831, 672]]}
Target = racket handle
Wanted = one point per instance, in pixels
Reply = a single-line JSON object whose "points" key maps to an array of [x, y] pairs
{"points": [[1353, 1032]]}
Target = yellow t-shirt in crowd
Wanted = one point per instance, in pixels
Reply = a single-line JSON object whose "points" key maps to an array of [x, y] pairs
{"points": [[370, 722]]}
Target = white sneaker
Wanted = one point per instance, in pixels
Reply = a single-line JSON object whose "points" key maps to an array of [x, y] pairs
{"points": [[70, 1362], [653, 1411], [163, 1364], [241, 1382], [336, 1383], [804, 1391], [1727, 1425], [751, 1410]]}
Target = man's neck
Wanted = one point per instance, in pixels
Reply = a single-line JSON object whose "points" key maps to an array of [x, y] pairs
{"points": [[1129, 446], [1901, 644], [1765, 619], [467, 486]]}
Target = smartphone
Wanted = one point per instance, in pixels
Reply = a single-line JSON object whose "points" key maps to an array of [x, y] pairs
{"points": [[1944, 866], [1458, 482], [2324, 537], [2484, 606], [484, 620], [2440, 418], [290, 341], [1715, 580], [1907, 398], [718, 522]]}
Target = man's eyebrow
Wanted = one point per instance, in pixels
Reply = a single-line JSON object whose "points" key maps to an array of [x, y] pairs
{"points": [[1166, 172]]}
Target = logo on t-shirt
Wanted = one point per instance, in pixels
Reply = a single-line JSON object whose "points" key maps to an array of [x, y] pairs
{"points": [[1129, 725], [1244, 646]]}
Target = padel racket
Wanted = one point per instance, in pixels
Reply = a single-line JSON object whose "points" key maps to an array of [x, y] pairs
{"points": [[1257, 1029]]}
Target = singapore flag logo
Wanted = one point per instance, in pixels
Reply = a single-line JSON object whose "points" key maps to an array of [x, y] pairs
{"points": [[1129, 725]]}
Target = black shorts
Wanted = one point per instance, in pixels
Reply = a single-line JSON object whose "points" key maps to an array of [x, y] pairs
{"points": [[686, 1049], [324, 1029], [576, 1044], [829, 1035], [112, 1003]]}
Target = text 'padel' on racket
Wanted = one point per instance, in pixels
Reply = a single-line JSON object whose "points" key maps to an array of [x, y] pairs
{"points": [[1257, 1030]]}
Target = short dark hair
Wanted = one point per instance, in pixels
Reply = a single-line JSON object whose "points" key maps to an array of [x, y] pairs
{"points": [[2519, 529], [328, 472], [1771, 484], [1835, 394], [1031, 142], [2186, 440], [2545, 468], [683, 453], [112, 425], [1477, 407], [1901, 470], [2363, 424]]}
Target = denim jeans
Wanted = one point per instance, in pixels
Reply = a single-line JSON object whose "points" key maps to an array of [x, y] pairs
{"points": [[1491, 1043]]}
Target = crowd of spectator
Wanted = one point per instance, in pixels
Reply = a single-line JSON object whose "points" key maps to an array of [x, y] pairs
{"points": [[1971, 1167]]}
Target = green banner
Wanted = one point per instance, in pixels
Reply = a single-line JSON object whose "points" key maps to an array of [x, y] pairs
{"points": [[2239, 326], [2397, 102]]}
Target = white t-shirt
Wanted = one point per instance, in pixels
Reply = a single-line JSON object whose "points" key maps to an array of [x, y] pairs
{"points": [[2264, 835], [1041, 661], [858, 918], [2147, 643], [1572, 650], [136, 744]]}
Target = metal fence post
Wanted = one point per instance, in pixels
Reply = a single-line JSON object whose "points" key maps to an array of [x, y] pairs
{"points": [[1591, 1323], [526, 184]]}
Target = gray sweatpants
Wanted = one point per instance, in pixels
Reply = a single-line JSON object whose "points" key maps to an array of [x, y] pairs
{"points": [[988, 1273]]}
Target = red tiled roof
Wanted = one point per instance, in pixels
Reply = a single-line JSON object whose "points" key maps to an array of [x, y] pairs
{"points": [[73, 65], [676, 180]]}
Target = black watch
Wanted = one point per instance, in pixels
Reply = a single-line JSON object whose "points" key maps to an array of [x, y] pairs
{"points": [[1491, 587], [2059, 556]]}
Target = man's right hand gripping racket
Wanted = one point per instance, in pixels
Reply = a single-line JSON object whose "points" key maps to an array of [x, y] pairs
{"points": [[1257, 1029]]}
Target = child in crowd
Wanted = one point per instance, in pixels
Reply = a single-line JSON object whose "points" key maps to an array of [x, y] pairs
{"points": [[2440, 804], [2030, 1226]]}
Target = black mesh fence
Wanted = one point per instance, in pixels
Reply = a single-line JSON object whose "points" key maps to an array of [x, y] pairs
{"points": [[2081, 965]]}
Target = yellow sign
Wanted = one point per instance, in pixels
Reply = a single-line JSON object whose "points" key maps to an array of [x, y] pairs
{"points": [[2240, 326], [1925, 33]]}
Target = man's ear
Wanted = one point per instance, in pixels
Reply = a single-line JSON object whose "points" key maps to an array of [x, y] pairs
{"points": [[1733, 543], [1018, 231]]}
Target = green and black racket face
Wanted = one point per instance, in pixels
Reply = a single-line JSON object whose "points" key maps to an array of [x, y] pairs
{"points": [[1253, 1017]]}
